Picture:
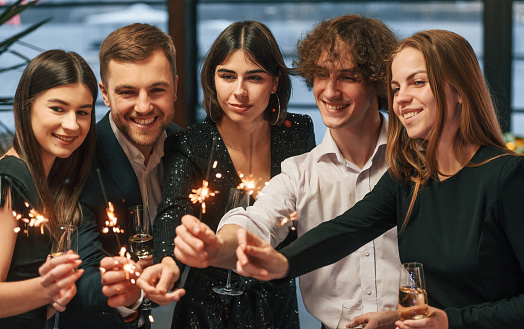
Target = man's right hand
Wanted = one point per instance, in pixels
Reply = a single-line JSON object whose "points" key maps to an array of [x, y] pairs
{"points": [[258, 259]]}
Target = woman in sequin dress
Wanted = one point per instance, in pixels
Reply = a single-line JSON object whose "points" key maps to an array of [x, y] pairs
{"points": [[246, 90], [46, 167]]}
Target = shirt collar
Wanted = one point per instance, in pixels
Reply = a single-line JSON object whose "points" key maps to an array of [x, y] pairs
{"points": [[133, 153], [329, 147]]}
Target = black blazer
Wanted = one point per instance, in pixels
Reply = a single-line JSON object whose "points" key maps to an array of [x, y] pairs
{"points": [[89, 308]]}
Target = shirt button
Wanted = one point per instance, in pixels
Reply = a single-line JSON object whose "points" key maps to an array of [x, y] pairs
{"points": [[368, 291], [366, 252]]}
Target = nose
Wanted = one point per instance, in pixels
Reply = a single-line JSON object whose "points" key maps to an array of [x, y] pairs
{"points": [[332, 90], [143, 103], [401, 96], [70, 121], [240, 90]]}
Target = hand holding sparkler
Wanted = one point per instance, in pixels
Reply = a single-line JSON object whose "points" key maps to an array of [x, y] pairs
{"points": [[258, 259], [196, 244], [58, 277], [119, 275], [157, 280]]}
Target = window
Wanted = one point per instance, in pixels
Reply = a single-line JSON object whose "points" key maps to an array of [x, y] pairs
{"points": [[290, 20]]}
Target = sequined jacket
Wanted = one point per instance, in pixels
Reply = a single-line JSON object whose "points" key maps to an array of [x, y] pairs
{"points": [[186, 166]]}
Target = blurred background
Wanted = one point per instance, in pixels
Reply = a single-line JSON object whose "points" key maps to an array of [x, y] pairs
{"points": [[495, 28]]}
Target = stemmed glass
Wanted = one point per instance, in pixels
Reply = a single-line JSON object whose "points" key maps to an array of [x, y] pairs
{"points": [[412, 297], [65, 239], [237, 198], [349, 311], [141, 240]]}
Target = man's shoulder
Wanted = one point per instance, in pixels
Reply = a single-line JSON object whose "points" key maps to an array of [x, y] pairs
{"points": [[172, 128]]}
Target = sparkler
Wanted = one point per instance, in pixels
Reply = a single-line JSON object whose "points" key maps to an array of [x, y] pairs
{"points": [[291, 221], [202, 193], [33, 219], [111, 223]]}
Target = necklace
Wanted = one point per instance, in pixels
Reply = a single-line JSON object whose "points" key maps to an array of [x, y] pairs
{"points": [[245, 148]]}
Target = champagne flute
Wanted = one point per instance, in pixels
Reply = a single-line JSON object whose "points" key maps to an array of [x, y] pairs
{"points": [[65, 239], [141, 240], [349, 311], [237, 198], [412, 298]]}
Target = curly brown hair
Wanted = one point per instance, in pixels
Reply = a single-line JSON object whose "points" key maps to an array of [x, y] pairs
{"points": [[370, 41]]}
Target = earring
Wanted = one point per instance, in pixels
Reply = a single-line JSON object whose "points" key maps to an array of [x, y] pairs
{"points": [[278, 117]]}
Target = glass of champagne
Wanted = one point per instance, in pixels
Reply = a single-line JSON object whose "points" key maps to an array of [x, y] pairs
{"points": [[237, 198], [412, 298], [65, 238], [349, 311], [141, 239]]}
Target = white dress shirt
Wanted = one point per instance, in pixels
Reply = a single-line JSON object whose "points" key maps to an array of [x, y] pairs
{"points": [[319, 186], [149, 176]]}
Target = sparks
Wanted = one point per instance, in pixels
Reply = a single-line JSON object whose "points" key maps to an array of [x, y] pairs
{"points": [[201, 194], [34, 219], [249, 183], [129, 268], [291, 221], [111, 223]]}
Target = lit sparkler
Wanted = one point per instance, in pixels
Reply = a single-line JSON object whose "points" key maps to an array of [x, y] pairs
{"points": [[111, 223], [34, 219], [202, 193], [291, 221]]}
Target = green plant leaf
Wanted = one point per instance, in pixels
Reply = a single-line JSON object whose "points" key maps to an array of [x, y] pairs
{"points": [[4, 45], [15, 9]]}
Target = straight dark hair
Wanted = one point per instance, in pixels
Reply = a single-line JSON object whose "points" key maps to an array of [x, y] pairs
{"points": [[60, 191], [258, 43]]}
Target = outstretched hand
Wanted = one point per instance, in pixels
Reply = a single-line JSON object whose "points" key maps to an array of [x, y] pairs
{"points": [[436, 319], [258, 259], [195, 244], [157, 280], [58, 277]]}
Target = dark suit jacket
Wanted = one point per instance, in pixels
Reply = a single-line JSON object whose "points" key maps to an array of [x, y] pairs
{"points": [[89, 308]]}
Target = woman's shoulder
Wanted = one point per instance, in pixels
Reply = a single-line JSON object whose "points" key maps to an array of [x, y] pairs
{"points": [[14, 173], [14, 167], [193, 137], [297, 121]]}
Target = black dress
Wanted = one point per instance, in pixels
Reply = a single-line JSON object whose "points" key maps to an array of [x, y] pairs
{"points": [[467, 230], [31, 247], [261, 305]]}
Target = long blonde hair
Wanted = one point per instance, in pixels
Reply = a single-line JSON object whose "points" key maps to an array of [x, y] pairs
{"points": [[449, 59]]}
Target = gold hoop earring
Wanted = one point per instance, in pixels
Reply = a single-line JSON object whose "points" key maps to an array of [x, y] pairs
{"points": [[278, 117]]}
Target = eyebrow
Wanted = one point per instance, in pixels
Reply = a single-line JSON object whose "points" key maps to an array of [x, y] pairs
{"points": [[155, 84], [57, 100], [248, 72], [411, 75]]}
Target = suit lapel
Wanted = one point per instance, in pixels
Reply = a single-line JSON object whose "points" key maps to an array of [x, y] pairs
{"points": [[115, 162]]}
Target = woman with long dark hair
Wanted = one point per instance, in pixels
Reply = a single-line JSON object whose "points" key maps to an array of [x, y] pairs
{"points": [[44, 171], [246, 88]]}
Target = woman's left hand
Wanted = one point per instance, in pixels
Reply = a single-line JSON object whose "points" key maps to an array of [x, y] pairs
{"points": [[58, 277], [436, 319]]}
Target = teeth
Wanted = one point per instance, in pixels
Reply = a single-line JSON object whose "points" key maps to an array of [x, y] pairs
{"points": [[335, 107], [410, 115], [144, 122], [65, 139]]}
